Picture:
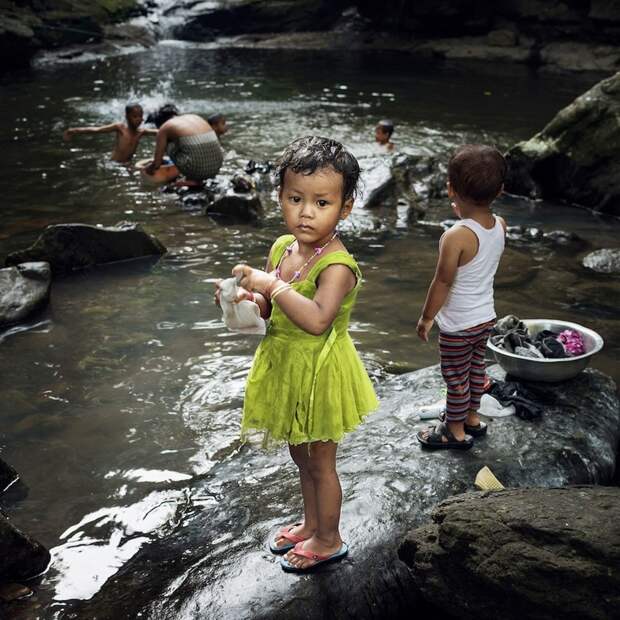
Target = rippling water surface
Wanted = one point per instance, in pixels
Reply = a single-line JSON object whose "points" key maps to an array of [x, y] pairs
{"points": [[128, 386]]}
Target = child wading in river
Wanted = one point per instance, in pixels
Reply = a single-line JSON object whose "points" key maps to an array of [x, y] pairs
{"points": [[307, 385], [127, 135], [460, 298]]}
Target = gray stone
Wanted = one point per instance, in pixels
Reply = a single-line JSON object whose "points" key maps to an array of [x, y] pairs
{"points": [[574, 158], [521, 553], [580, 56], [21, 557], [24, 289], [8, 476], [70, 247], [215, 564], [476, 48], [401, 180], [129, 34], [603, 261]]}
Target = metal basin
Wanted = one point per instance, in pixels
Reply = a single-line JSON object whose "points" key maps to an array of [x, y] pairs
{"points": [[549, 370]]}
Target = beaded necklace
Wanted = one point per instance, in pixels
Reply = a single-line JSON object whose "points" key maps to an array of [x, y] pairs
{"points": [[289, 251]]}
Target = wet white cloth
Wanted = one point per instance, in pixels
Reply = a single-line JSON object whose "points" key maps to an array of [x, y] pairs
{"points": [[489, 406], [492, 408], [243, 317]]}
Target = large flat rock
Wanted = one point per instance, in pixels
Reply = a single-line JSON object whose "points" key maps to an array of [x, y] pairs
{"points": [[521, 553], [215, 564]]}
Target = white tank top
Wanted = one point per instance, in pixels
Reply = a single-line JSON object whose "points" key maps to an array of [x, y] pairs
{"points": [[470, 301]]}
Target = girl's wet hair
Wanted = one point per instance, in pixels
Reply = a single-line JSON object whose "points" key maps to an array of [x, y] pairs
{"points": [[163, 114], [311, 153]]}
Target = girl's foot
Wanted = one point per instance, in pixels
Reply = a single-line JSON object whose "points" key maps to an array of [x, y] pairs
{"points": [[288, 536], [314, 546]]}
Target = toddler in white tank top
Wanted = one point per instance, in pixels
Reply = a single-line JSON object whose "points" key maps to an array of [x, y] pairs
{"points": [[460, 297]]}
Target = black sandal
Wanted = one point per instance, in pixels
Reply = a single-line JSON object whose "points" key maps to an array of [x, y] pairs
{"points": [[480, 430], [434, 439]]}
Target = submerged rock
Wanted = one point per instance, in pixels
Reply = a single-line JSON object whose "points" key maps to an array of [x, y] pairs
{"points": [[603, 261], [232, 205], [24, 289], [574, 158], [216, 564], [70, 247], [21, 557], [521, 553]]}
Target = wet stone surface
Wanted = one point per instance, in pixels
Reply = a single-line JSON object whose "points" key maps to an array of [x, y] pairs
{"points": [[215, 562], [24, 289], [534, 553]]}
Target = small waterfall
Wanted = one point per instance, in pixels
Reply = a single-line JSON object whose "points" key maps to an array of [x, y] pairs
{"points": [[164, 16]]}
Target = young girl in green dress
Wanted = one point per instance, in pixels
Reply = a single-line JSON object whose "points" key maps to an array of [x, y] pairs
{"points": [[307, 385]]}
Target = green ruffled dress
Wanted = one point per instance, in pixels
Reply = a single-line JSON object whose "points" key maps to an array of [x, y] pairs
{"points": [[305, 388]]}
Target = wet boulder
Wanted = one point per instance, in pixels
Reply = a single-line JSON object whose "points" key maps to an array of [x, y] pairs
{"points": [[521, 553], [574, 158], [216, 563], [70, 247], [21, 557], [236, 200], [232, 205], [410, 179], [603, 261], [24, 289], [8, 476]]}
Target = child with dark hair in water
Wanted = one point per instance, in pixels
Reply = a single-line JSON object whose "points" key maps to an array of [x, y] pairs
{"points": [[460, 297], [308, 386], [383, 135], [128, 134]]}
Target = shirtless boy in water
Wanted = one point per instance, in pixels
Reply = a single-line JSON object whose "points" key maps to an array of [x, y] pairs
{"points": [[127, 135]]}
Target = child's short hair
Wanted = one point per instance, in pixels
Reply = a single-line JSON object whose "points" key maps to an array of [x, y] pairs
{"points": [[214, 119], [132, 106], [311, 153], [387, 126], [476, 172], [163, 114]]}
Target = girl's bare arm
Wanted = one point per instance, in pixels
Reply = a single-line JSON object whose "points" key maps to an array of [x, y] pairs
{"points": [[312, 315]]}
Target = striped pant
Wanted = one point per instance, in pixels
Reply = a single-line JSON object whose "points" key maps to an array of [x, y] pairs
{"points": [[463, 369]]}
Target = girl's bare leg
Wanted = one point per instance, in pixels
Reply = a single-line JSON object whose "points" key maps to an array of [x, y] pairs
{"points": [[326, 539], [300, 456]]}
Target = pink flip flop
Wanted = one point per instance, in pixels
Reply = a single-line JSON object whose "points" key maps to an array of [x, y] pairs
{"points": [[285, 532], [319, 560]]}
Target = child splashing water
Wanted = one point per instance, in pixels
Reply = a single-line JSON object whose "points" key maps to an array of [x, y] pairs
{"points": [[307, 385]]}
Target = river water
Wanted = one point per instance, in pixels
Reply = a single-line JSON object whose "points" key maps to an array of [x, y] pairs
{"points": [[128, 386]]}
